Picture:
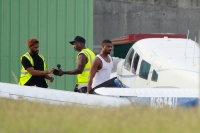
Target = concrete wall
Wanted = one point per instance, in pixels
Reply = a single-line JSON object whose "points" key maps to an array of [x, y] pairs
{"points": [[115, 18]]}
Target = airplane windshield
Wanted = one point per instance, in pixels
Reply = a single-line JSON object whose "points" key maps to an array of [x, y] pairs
{"points": [[128, 60], [135, 63]]}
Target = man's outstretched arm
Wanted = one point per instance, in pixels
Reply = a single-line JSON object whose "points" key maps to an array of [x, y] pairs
{"points": [[82, 60]]}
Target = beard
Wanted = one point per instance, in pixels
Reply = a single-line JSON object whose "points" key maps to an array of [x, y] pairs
{"points": [[107, 52], [35, 52]]}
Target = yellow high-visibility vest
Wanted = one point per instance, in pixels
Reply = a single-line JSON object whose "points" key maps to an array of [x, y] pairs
{"points": [[25, 75], [83, 77]]}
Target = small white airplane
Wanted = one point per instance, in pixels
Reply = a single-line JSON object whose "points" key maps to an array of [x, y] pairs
{"points": [[157, 72], [161, 69], [161, 62]]}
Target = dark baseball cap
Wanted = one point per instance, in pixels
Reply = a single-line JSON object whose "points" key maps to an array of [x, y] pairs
{"points": [[78, 39]]}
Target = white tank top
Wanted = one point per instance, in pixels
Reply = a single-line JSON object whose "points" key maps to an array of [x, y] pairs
{"points": [[103, 74]]}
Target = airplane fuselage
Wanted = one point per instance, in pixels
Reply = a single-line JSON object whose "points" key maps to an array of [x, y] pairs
{"points": [[161, 63]]}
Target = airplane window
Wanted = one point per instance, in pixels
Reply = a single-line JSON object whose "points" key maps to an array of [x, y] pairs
{"points": [[144, 69], [127, 63], [131, 57], [135, 63], [154, 76]]}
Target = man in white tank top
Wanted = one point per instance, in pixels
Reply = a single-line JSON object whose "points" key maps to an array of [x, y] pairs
{"points": [[101, 67]]}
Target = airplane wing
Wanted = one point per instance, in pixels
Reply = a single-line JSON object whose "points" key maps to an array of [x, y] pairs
{"points": [[54, 96], [109, 97], [157, 97], [148, 92]]}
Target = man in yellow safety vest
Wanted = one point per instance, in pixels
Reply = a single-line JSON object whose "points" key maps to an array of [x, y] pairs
{"points": [[84, 61], [33, 72]]}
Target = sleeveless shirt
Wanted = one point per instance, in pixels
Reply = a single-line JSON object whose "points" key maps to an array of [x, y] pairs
{"points": [[103, 74]]}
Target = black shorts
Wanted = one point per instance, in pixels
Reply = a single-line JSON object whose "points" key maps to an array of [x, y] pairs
{"points": [[81, 90]]}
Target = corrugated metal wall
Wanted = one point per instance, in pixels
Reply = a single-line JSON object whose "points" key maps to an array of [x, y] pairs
{"points": [[54, 23]]}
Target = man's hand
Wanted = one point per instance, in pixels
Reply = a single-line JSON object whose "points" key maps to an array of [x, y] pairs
{"points": [[60, 72], [51, 79], [50, 71]]}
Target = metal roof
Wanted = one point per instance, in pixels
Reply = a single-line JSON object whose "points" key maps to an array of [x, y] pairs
{"points": [[131, 38], [54, 23]]}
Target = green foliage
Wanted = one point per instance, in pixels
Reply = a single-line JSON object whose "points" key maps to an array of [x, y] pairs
{"points": [[18, 116]]}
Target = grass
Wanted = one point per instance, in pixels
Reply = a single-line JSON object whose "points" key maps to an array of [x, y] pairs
{"points": [[18, 116]]}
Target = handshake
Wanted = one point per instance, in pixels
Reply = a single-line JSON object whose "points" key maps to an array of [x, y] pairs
{"points": [[58, 71]]}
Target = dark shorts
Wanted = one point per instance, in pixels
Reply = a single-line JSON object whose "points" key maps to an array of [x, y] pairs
{"points": [[81, 90]]}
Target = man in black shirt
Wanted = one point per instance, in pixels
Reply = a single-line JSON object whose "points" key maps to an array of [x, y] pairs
{"points": [[34, 67]]}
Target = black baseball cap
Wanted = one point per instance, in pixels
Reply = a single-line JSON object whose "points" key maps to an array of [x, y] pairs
{"points": [[78, 39]]}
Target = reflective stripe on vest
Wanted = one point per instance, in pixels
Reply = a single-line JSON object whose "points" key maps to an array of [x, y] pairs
{"points": [[24, 72], [25, 75], [83, 77]]}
